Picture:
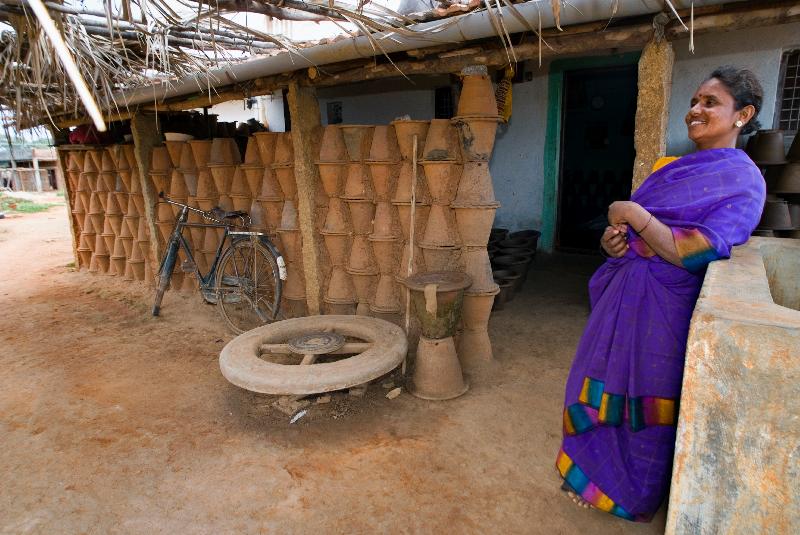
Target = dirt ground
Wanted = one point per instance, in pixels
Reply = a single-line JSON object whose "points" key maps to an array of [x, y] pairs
{"points": [[116, 422]]}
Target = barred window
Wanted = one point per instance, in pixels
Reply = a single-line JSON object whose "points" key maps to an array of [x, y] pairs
{"points": [[789, 93]]}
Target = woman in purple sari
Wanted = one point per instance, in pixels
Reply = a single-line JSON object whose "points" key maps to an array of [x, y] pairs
{"points": [[621, 402]]}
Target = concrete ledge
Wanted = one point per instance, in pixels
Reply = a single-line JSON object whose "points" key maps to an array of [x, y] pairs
{"points": [[737, 455]]}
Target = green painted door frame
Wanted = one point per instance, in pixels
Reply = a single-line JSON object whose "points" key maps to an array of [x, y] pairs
{"points": [[552, 145]]}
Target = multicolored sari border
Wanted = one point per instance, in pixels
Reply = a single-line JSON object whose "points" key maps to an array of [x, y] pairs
{"points": [[595, 406], [580, 483], [694, 248]]}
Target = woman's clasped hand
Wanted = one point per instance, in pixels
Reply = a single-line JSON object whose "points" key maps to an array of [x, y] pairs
{"points": [[615, 240]]}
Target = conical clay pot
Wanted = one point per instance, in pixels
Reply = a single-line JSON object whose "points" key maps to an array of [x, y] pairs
{"points": [[223, 177], [338, 247], [270, 190], [441, 142], [174, 149], [361, 214], [331, 176], [383, 176], [285, 177], [340, 287], [223, 151], [441, 258], [356, 183], [477, 135], [474, 344], [385, 300], [439, 228], [360, 260], [186, 164], [437, 371], [421, 213], [335, 219], [405, 130], [383, 228], [159, 160], [201, 151], [474, 224], [266, 146], [332, 147], [442, 179], [252, 156], [475, 187], [479, 268], [384, 146], [477, 96], [357, 140], [363, 284]]}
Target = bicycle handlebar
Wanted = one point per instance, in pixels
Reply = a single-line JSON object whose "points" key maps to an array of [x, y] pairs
{"points": [[207, 215]]}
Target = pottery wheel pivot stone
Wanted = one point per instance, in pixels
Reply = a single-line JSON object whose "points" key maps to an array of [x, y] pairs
{"points": [[312, 344]]}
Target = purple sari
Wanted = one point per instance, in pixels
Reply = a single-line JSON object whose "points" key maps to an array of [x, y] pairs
{"points": [[622, 393]]}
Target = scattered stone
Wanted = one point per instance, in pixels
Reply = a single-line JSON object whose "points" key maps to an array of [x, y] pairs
{"points": [[388, 385], [394, 393], [358, 391], [323, 399], [289, 405]]}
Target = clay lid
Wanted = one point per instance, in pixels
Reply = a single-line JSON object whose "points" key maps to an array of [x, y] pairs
{"points": [[446, 281]]}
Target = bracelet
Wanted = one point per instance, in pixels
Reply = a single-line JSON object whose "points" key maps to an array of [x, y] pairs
{"points": [[639, 232]]}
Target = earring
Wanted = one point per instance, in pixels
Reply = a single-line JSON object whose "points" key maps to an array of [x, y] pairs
{"points": [[739, 123]]}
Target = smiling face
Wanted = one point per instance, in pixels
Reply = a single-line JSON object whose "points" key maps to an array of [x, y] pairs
{"points": [[712, 117]]}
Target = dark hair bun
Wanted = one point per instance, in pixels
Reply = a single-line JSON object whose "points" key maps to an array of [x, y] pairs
{"points": [[745, 89]]}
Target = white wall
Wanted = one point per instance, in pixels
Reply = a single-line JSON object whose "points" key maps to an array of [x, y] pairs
{"points": [[759, 50]]}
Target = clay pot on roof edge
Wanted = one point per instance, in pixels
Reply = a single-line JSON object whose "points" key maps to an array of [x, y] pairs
{"points": [[405, 129], [201, 151], [174, 149], [223, 151]]}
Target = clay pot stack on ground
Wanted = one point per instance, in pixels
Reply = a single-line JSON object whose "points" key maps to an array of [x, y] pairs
{"points": [[290, 239], [253, 170], [383, 163], [81, 199], [405, 130], [359, 197], [475, 206], [781, 215], [95, 214], [339, 293], [195, 155], [437, 299], [270, 195]]}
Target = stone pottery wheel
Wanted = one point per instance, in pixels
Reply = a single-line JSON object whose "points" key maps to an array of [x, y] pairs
{"points": [[311, 355], [437, 298]]}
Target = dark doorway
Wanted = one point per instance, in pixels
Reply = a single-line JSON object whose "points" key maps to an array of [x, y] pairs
{"points": [[596, 168]]}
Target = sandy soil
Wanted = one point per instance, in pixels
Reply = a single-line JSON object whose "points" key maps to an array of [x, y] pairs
{"points": [[116, 422]]}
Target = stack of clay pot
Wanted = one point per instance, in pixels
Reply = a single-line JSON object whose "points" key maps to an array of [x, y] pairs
{"points": [[339, 293], [411, 258], [294, 287], [95, 213], [781, 215], [359, 197], [270, 195], [474, 206], [437, 299], [139, 259], [384, 167], [196, 154], [82, 202], [511, 256], [253, 170]]}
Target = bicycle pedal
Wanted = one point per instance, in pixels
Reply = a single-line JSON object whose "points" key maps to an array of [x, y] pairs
{"points": [[187, 266]]}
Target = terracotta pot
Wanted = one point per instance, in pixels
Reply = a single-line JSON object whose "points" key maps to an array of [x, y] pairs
{"points": [[109, 181], [441, 143], [75, 161], [159, 160], [79, 217], [335, 219], [201, 151], [289, 221], [270, 190], [340, 288], [474, 344], [361, 214], [405, 129], [357, 140], [186, 163], [161, 182], [205, 185], [475, 188], [794, 214], [163, 212], [767, 148], [294, 286], [284, 152], [257, 220], [238, 185], [436, 298], [477, 136], [100, 247], [360, 259], [103, 262], [165, 230], [136, 183], [384, 146], [273, 211], [83, 183], [382, 227], [121, 198], [385, 252], [253, 177], [85, 200], [137, 267], [291, 245], [125, 177], [92, 161], [356, 183], [789, 179], [98, 222], [89, 240], [265, 142], [363, 283], [332, 147], [252, 156], [174, 149], [477, 96], [138, 203], [385, 300], [108, 237], [440, 258], [479, 268], [115, 221], [405, 178], [437, 371], [223, 177], [190, 179], [285, 176], [383, 176], [177, 186], [776, 216], [442, 179], [337, 246], [421, 213], [331, 175], [506, 275], [241, 202], [223, 151], [439, 228], [118, 264], [84, 256], [474, 225]]}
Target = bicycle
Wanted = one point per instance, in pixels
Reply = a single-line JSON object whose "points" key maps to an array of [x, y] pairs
{"points": [[244, 280]]}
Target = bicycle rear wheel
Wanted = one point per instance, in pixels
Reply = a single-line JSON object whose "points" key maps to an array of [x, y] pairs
{"points": [[248, 286]]}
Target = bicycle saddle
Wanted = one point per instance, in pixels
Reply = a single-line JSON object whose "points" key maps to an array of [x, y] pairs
{"points": [[219, 213]]}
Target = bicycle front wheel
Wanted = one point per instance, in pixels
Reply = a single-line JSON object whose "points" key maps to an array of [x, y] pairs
{"points": [[248, 286]]}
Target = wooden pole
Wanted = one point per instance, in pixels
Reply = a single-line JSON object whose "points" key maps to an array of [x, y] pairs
{"points": [[145, 136], [306, 128]]}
